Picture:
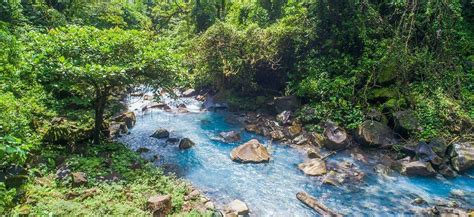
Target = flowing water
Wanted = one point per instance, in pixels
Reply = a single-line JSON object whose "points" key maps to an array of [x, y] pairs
{"points": [[269, 189]]}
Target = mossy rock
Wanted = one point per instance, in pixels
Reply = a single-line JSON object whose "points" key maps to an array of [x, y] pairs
{"points": [[383, 94], [405, 121], [394, 104], [387, 73]]}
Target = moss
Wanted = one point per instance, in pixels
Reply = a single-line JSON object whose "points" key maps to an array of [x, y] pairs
{"points": [[388, 72], [384, 93]]}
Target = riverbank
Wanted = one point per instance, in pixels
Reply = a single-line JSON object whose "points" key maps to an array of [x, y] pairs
{"points": [[109, 179]]}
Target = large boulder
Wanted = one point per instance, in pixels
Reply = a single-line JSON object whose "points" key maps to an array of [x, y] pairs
{"points": [[462, 154], [439, 146], [237, 208], [250, 152], [161, 134], [285, 103], [186, 143], [334, 137], [405, 121], [425, 152], [375, 134], [128, 117], [230, 136], [313, 167], [417, 168], [159, 205]]}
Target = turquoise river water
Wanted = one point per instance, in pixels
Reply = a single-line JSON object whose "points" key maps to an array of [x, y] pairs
{"points": [[269, 189]]}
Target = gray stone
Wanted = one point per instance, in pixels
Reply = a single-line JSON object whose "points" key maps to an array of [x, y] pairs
{"points": [[186, 143], [375, 134], [417, 168], [462, 154], [334, 137], [161, 134]]}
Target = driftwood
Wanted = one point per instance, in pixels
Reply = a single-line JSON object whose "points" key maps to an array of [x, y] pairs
{"points": [[314, 204]]}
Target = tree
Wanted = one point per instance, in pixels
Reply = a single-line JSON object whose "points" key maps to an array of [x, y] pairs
{"points": [[93, 64]]}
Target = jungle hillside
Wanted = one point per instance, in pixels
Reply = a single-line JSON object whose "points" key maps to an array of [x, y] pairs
{"points": [[309, 72]]}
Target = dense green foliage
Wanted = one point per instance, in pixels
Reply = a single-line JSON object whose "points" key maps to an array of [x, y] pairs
{"points": [[65, 64], [45, 194]]}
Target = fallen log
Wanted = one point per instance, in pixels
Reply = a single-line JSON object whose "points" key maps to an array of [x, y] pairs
{"points": [[314, 204]]}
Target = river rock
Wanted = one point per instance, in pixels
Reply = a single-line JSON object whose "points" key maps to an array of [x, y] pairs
{"points": [[277, 135], [128, 117], [359, 154], [334, 137], [230, 136], [161, 134], [301, 140], [313, 167], [251, 128], [447, 170], [405, 121], [425, 152], [189, 93], [295, 129], [186, 143], [182, 110], [439, 146], [375, 134], [78, 179], [284, 117], [382, 170], [172, 140], [250, 152], [417, 168], [143, 150], [160, 105], [334, 178], [445, 211], [115, 129], [159, 205], [236, 207], [200, 98], [312, 154], [462, 154]]}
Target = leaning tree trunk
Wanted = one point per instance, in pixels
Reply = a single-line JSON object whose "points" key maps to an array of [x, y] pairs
{"points": [[100, 102]]}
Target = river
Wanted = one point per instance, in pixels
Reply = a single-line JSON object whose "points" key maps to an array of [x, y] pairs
{"points": [[269, 189]]}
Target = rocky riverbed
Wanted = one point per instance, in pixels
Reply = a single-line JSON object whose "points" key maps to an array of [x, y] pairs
{"points": [[352, 172]]}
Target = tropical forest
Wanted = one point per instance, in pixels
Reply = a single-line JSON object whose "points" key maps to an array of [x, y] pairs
{"points": [[237, 108]]}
